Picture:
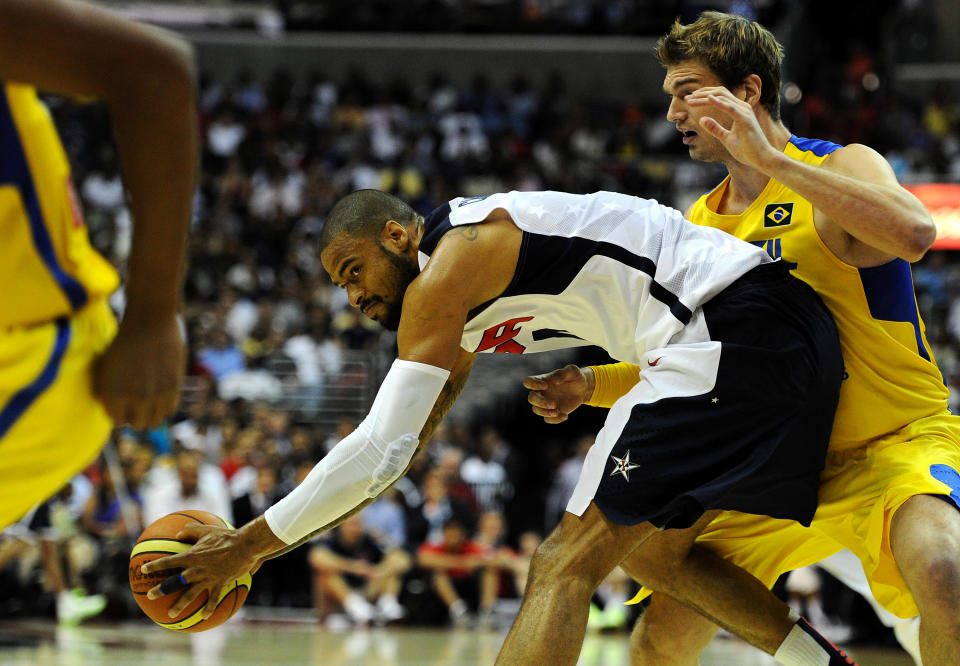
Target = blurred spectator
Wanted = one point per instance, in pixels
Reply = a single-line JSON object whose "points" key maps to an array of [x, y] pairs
{"points": [[222, 357], [252, 504], [192, 484], [484, 472], [565, 481], [385, 519], [359, 574], [427, 521], [51, 532], [463, 575]]}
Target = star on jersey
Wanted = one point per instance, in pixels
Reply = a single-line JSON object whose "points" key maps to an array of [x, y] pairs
{"points": [[623, 465], [539, 211]]}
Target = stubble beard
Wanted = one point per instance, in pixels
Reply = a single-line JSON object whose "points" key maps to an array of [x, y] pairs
{"points": [[404, 271]]}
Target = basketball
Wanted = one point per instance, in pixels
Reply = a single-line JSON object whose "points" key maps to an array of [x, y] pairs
{"points": [[159, 540]]}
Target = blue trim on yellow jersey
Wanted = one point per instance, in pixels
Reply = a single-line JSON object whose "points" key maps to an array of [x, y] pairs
{"points": [[25, 397], [818, 147], [15, 170], [889, 292], [948, 475]]}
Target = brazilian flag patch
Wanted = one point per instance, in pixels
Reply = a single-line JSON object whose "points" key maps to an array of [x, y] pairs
{"points": [[777, 214]]}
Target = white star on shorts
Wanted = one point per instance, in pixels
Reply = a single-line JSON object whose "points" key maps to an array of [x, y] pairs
{"points": [[623, 465]]}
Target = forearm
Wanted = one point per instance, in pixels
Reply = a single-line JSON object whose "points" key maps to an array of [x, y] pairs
{"points": [[339, 506], [154, 121], [881, 215]]}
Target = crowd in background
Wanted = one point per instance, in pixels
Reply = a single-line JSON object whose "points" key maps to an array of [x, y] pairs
{"points": [[271, 339]]}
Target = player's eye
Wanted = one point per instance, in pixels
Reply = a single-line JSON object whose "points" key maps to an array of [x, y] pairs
{"points": [[355, 271]]}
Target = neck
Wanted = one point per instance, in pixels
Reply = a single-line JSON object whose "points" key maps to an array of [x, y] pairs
{"points": [[747, 182]]}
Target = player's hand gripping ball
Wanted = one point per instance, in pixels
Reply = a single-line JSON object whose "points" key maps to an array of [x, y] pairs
{"points": [[160, 540]]}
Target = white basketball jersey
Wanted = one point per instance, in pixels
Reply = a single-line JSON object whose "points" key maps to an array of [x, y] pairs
{"points": [[606, 269]]}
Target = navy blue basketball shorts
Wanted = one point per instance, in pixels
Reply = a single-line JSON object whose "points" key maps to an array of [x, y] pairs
{"points": [[739, 420]]}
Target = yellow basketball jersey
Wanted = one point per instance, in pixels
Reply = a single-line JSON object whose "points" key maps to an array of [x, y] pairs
{"points": [[48, 268], [891, 377]]}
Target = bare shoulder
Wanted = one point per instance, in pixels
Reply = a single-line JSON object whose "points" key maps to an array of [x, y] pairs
{"points": [[476, 261], [859, 161]]}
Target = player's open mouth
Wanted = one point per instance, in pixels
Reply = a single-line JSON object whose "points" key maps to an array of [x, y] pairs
{"points": [[688, 137]]}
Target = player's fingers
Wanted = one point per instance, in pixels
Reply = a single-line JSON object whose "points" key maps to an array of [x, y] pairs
{"points": [[192, 532], [212, 601], [169, 585], [535, 382], [538, 399], [187, 598], [164, 563], [713, 127], [546, 413], [552, 420]]}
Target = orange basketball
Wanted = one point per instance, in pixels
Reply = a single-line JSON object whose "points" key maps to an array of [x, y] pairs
{"points": [[160, 540]]}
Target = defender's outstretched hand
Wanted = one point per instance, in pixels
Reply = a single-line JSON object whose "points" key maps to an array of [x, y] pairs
{"points": [[744, 138], [556, 394]]}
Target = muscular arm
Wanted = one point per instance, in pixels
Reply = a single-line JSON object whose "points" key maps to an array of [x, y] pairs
{"points": [[465, 270], [861, 211], [448, 395], [145, 78]]}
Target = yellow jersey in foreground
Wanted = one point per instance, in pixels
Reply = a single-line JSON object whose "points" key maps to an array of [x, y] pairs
{"points": [[891, 376], [48, 268]]}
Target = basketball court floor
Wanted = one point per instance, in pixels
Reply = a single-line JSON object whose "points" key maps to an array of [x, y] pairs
{"points": [[248, 642]]}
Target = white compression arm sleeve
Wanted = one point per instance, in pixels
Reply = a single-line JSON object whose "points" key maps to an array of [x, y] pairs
{"points": [[366, 461]]}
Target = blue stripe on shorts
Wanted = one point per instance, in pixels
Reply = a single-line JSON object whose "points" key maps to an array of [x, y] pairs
{"points": [[25, 397]]}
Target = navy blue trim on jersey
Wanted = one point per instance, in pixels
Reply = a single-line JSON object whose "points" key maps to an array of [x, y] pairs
{"points": [[25, 397], [550, 333], [15, 170], [435, 225], [757, 440], [818, 147], [548, 264], [889, 292]]}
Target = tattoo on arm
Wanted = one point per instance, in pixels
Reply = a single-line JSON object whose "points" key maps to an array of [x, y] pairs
{"points": [[448, 395]]}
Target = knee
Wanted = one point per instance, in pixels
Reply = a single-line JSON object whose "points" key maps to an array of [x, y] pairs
{"points": [[651, 645], [939, 586], [554, 565]]}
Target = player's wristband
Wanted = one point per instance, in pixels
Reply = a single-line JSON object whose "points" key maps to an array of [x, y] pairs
{"points": [[611, 382]]}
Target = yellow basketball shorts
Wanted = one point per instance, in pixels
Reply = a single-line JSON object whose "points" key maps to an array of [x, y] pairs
{"points": [[860, 492], [51, 425]]}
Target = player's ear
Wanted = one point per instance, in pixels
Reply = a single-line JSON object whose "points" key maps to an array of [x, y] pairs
{"points": [[751, 88], [395, 235]]}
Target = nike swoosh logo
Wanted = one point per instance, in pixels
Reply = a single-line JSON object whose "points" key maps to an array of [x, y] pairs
{"points": [[655, 362]]}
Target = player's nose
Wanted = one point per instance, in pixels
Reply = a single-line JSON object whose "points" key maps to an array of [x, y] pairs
{"points": [[354, 295], [675, 111]]}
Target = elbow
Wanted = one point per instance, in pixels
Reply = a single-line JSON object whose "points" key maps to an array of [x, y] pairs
{"points": [[920, 240], [163, 74]]}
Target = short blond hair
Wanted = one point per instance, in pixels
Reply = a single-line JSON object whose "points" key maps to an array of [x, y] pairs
{"points": [[733, 47]]}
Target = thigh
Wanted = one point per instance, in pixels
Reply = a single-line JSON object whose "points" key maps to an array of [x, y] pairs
{"points": [[764, 547], [51, 425], [886, 494], [925, 541]]}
